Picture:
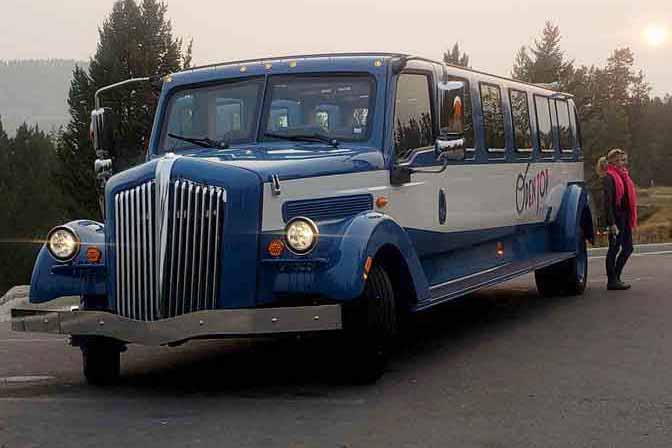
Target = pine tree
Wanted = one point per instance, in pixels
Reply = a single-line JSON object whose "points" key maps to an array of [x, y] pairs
{"points": [[544, 62], [135, 40], [455, 56]]}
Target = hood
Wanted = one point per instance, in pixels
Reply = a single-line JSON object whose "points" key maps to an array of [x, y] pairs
{"points": [[293, 161]]}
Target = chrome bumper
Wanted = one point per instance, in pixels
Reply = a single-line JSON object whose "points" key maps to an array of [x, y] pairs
{"points": [[201, 324]]}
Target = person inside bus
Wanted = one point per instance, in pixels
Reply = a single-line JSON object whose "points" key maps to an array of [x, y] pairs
{"points": [[620, 204]]}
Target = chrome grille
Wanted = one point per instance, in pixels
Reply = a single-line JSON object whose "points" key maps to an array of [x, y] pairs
{"points": [[190, 258]]}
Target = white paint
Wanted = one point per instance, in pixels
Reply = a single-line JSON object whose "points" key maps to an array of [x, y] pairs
{"points": [[481, 196]]}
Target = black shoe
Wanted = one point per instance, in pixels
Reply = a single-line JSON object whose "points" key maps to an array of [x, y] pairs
{"points": [[618, 286]]}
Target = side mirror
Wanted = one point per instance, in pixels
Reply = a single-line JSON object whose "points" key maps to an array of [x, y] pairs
{"points": [[102, 131], [450, 147]]}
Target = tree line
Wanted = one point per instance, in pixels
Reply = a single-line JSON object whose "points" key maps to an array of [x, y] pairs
{"points": [[47, 178]]}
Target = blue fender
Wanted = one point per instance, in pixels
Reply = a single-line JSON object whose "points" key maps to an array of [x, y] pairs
{"points": [[364, 237], [574, 213], [53, 278]]}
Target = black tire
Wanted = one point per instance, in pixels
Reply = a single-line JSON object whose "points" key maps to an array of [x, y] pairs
{"points": [[101, 361], [370, 326], [565, 278]]}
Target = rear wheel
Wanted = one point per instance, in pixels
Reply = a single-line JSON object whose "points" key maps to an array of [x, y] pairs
{"points": [[101, 361], [568, 277], [370, 325]]}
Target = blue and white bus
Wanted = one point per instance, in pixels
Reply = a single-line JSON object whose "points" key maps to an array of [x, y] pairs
{"points": [[320, 193]]}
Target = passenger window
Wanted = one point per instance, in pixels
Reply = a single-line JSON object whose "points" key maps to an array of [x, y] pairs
{"points": [[493, 118], [564, 126], [544, 123], [574, 120], [412, 115], [520, 116], [456, 110]]}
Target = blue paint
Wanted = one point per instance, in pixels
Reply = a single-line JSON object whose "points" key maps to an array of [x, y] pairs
{"points": [[52, 278]]}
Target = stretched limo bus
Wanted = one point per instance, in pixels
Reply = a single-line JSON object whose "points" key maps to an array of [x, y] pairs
{"points": [[320, 193]]}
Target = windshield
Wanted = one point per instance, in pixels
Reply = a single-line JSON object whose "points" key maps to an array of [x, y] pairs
{"points": [[225, 112], [333, 106]]}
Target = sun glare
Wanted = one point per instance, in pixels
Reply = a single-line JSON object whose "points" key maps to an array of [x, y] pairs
{"points": [[655, 35]]}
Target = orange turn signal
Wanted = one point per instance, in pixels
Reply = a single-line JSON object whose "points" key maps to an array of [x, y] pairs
{"points": [[276, 248], [94, 255], [500, 249], [367, 267], [381, 201]]}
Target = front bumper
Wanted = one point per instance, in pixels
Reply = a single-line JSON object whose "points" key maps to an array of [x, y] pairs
{"points": [[201, 324]]}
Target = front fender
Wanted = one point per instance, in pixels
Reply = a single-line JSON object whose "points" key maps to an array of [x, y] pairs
{"points": [[52, 278], [363, 238], [574, 213]]}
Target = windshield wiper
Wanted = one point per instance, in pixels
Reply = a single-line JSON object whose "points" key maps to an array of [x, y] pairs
{"points": [[205, 142], [320, 138]]}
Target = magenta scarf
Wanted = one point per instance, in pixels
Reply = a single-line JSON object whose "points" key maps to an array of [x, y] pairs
{"points": [[622, 181]]}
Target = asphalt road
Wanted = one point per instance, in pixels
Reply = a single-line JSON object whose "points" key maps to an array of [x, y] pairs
{"points": [[501, 368]]}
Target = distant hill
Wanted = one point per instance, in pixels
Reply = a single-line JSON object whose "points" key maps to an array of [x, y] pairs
{"points": [[35, 91]]}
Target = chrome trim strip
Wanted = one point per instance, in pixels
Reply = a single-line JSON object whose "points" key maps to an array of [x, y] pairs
{"points": [[200, 250], [117, 252], [164, 167], [207, 259], [467, 277], [217, 249]]}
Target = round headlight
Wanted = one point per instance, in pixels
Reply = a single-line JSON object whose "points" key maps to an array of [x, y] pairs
{"points": [[62, 243], [301, 235]]}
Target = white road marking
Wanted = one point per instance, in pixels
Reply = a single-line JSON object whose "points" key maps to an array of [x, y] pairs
{"points": [[660, 252], [33, 340], [25, 379]]}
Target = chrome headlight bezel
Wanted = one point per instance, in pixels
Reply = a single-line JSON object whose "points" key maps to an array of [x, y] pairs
{"points": [[315, 235], [77, 244]]}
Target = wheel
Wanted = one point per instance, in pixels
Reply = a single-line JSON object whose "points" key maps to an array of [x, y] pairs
{"points": [[370, 325], [567, 277], [101, 361]]}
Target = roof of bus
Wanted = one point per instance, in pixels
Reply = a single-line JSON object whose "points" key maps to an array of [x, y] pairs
{"points": [[359, 56]]}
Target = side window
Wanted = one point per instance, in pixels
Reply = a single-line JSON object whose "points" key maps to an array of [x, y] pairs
{"points": [[412, 115], [564, 126], [542, 107], [520, 116], [574, 120], [493, 118], [456, 110]]}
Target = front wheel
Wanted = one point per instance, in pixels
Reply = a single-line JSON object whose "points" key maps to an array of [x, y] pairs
{"points": [[568, 277], [370, 325], [101, 361]]}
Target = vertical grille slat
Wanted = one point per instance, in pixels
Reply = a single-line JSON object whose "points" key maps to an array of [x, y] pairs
{"points": [[191, 249]]}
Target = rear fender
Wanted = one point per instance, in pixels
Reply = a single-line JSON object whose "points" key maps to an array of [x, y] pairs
{"points": [[52, 278], [574, 212]]}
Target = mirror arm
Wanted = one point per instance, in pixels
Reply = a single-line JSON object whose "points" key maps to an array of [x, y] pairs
{"points": [[440, 170]]}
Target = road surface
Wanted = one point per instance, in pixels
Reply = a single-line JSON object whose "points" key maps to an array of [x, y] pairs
{"points": [[501, 368]]}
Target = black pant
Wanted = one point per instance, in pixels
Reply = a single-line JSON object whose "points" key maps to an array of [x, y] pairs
{"points": [[620, 249]]}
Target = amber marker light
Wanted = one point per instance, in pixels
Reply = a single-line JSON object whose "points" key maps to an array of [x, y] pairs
{"points": [[276, 248], [500, 249], [382, 201], [94, 255], [367, 267], [292, 64]]}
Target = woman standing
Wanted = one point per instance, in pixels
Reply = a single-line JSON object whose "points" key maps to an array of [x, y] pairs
{"points": [[620, 204]]}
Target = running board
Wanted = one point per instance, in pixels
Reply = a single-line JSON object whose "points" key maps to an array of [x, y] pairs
{"points": [[453, 289]]}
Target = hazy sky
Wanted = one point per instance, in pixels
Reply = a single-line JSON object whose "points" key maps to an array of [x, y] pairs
{"points": [[491, 31]]}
